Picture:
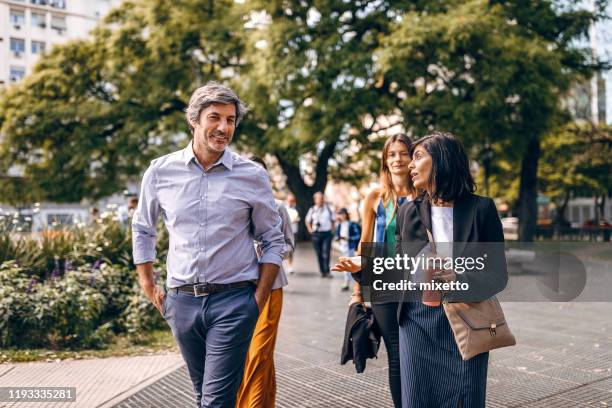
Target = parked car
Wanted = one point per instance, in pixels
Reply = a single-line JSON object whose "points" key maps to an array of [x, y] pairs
{"points": [[592, 224]]}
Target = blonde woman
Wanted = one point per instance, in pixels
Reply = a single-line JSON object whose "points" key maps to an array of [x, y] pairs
{"points": [[380, 209]]}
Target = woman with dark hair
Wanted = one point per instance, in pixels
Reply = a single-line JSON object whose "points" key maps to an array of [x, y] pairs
{"points": [[379, 218], [433, 372]]}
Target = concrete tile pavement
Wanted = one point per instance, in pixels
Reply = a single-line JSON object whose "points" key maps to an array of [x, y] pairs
{"points": [[98, 382]]}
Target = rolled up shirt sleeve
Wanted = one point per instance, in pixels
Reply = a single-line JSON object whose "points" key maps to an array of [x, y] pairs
{"points": [[289, 246], [267, 222], [309, 216], [144, 222]]}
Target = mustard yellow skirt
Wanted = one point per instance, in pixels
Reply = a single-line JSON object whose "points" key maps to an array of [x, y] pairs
{"points": [[258, 388]]}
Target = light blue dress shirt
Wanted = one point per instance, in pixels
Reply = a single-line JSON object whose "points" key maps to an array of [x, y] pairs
{"points": [[212, 218]]}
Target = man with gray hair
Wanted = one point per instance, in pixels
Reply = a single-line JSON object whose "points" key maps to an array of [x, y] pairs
{"points": [[214, 204]]}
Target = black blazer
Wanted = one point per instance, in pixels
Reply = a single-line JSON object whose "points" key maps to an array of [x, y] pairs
{"points": [[361, 337], [475, 219]]}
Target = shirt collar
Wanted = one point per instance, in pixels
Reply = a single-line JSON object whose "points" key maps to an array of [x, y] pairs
{"points": [[188, 154], [226, 158]]}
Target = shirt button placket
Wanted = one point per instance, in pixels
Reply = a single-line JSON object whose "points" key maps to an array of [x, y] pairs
{"points": [[203, 224], [202, 214]]}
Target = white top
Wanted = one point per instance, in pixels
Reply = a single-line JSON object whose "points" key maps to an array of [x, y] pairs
{"points": [[442, 229], [288, 248], [343, 245], [321, 218], [294, 216]]}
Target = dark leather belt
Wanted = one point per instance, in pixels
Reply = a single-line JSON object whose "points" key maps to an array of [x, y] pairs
{"points": [[203, 289]]}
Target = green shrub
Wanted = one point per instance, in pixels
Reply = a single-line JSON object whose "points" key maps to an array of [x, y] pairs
{"points": [[83, 308], [73, 289], [20, 250], [68, 311], [141, 316], [108, 241], [17, 319], [116, 283], [52, 252]]}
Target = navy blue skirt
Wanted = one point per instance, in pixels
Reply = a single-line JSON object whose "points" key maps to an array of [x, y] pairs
{"points": [[433, 373]]}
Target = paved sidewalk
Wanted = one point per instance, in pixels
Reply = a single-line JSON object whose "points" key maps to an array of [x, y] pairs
{"points": [[98, 382], [563, 359]]}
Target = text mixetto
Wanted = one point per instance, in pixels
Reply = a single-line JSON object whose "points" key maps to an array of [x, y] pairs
{"points": [[408, 285]]}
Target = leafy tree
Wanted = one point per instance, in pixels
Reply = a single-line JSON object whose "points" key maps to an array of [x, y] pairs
{"points": [[576, 161], [311, 80], [95, 111], [324, 78], [491, 71], [99, 110]]}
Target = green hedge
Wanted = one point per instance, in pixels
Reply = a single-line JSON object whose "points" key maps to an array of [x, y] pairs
{"points": [[72, 289], [50, 253], [81, 309]]}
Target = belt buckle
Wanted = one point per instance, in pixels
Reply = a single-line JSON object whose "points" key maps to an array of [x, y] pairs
{"points": [[200, 289]]}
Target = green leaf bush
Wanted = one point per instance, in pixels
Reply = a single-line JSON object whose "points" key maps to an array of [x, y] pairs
{"points": [[73, 289]]}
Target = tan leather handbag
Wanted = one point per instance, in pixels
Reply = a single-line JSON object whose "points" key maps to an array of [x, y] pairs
{"points": [[478, 327]]}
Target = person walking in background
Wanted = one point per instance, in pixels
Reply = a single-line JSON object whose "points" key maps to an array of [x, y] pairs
{"points": [[294, 216], [94, 216], [214, 204], [379, 217], [433, 371], [258, 388], [131, 206], [320, 223], [126, 213], [348, 234]]}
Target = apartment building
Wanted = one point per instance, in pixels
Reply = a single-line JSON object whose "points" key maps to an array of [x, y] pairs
{"points": [[28, 28]]}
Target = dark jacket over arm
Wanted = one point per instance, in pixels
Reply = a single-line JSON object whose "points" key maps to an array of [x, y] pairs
{"points": [[361, 337]]}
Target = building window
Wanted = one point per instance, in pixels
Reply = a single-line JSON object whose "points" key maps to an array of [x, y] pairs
{"points": [[38, 47], [60, 4], [17, 18], [58, 23], [586, 213], [17, 73], [39, 2], [17, 47], [39, 20], [575, 214]]}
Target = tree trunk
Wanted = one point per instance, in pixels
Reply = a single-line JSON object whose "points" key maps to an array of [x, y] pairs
{"points": [[528, 194], [303, 192], [304, 202], [560, 219]]}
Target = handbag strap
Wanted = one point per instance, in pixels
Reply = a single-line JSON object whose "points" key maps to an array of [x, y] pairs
{"points": [[432, 243]]}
